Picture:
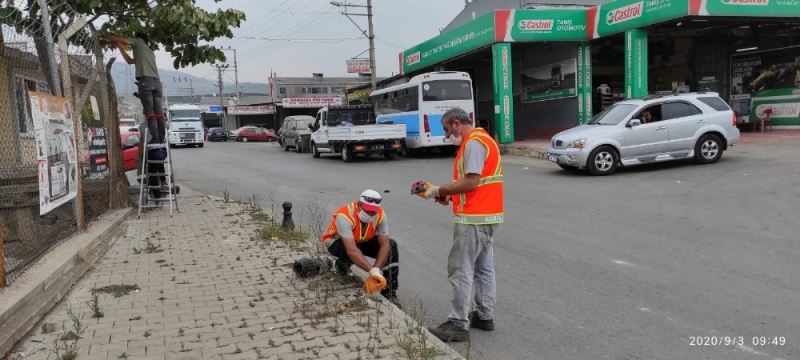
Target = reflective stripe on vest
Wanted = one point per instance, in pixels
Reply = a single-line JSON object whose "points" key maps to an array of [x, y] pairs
{"points": [[350, 212], [483, 205]]}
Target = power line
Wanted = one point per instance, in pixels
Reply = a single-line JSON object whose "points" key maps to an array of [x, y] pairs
{"points": [[301, 40]]}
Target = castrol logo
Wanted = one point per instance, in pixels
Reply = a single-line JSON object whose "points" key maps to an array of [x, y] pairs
{"points": [[413, 58], [536, 25], [746, 2], [626, 13]]}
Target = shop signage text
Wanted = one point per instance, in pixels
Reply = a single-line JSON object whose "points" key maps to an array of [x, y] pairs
{"points": [[504, 113], [358, 66], [311, 102], [465, 38], [623, 14], [251, 110], [542, 25]]}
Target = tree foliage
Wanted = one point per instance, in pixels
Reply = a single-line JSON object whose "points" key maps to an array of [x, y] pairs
{"points": [[180, 27]]}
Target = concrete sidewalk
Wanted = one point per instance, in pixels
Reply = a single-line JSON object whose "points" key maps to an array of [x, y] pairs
{"points": [[204, 284]]}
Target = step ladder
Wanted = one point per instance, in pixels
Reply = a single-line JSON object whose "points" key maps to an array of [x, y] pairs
{"points": [[166, 189]]}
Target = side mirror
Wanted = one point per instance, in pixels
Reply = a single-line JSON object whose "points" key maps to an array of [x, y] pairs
{"points": [[634, 122]]}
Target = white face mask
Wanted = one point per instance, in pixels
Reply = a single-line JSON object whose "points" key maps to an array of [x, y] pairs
{"points": [[456, 140], [364, 217]]}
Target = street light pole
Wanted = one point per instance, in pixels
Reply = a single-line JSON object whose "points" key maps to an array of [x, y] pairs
{"points": [[235, 71]]}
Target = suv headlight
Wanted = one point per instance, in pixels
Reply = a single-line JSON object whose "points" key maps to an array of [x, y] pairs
{"points": [[577, 144]]}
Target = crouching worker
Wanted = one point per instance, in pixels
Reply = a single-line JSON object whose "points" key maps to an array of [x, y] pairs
{"points": [[357, 230]]}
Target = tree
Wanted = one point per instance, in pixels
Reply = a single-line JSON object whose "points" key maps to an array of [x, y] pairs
{"points": [[179, 26]]}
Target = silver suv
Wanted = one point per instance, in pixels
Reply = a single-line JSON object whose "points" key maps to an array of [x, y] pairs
{"points": [[648, 130]]}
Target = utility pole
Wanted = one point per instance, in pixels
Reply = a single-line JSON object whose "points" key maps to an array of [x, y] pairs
{"points": [[235, 71], [369, 33], [190, 88], [220, 69]]}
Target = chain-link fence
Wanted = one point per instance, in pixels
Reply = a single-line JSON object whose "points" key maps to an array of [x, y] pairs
{"points": [[59, 133]]}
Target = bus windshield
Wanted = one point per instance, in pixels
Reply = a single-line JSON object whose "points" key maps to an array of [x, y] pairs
{"points": [[443, 90]]}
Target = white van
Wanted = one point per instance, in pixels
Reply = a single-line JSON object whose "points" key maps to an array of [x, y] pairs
{"points": [[185, 125]]}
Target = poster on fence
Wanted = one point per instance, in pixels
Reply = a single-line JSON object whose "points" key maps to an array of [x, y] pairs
{"points": [[96, 154], [56, 152]]}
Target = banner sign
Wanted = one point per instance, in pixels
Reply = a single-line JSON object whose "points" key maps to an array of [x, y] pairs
{"points": [[584, 83], [360, 95], [503, 96], [465, 38], [57, 156], [548, 82], [772, 80], [251, 109], [776, 8], [635, 64], [214, 109], [541, 25], [311, 102], [96, 148], [617, 16], [358, 66]]}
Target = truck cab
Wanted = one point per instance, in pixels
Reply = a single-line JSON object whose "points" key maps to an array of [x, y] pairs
{"points": [[185, 125]]}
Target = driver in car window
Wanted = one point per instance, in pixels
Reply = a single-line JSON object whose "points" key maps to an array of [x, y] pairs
{"points": [[646, 116]]}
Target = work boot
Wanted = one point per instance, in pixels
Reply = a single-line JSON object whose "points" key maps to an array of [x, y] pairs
{"points": [[476, 322], [450, 332]]}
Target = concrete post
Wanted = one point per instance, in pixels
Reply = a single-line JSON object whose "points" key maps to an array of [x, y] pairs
{"points": [[288, 223]]}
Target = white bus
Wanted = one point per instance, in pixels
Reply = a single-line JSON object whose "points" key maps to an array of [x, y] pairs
{"points": [[185, 125], [420, 104]]}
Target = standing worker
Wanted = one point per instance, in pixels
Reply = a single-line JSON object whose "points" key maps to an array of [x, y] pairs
{"points": [[358, 229], [149, 85], [476, 194]]}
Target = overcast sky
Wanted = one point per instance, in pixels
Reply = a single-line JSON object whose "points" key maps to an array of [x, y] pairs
{"points": [[399, 24]]}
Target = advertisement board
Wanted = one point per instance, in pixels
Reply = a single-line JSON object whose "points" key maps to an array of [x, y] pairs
{"points": [[767, 81], [552, 81], [467, 37], [772, 8], [503, 96], [251, 109], [311, 102], [585, 90], [96, 148], [57, 156], [541, 25], [358, 66], [617, 16], [635, 63]]}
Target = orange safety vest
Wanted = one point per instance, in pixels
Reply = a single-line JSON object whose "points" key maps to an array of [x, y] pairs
{"points": [[361, 234], [484, 204]]}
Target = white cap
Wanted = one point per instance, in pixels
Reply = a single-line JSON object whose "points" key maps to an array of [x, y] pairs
{"points": [[370, 205]]}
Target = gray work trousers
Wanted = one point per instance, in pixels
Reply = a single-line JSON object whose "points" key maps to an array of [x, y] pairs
{"points": [[471, 265]]}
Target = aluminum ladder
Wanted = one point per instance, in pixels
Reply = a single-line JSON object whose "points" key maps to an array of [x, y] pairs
{"points": [[167, 190]]}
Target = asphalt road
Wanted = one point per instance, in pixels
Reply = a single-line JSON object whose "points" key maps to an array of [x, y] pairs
{"points": [[630, 266]]}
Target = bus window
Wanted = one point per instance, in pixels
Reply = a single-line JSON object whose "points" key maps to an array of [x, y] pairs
{"points": [[442, 90]]}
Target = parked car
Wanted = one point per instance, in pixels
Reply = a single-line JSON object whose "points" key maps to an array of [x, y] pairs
{"points": [[698, 126], [235, 133], [217, 134], [256, 134], [130, 150], [292, 131]]}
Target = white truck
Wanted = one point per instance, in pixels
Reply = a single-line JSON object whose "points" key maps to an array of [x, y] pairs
{"points": [[351, 130], [185, 125]]}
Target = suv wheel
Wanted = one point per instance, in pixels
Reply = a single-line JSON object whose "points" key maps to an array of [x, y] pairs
{"points": [[314, 150], [285, 146], [298, 146], [708, 149], [603, 161]]}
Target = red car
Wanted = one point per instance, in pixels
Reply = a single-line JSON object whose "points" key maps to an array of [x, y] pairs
{"points": [[256, 134], [130, 150]]}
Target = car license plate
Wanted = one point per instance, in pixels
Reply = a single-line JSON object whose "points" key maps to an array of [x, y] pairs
{"points": [[187, 136], [376, 147], [552, 157]]}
